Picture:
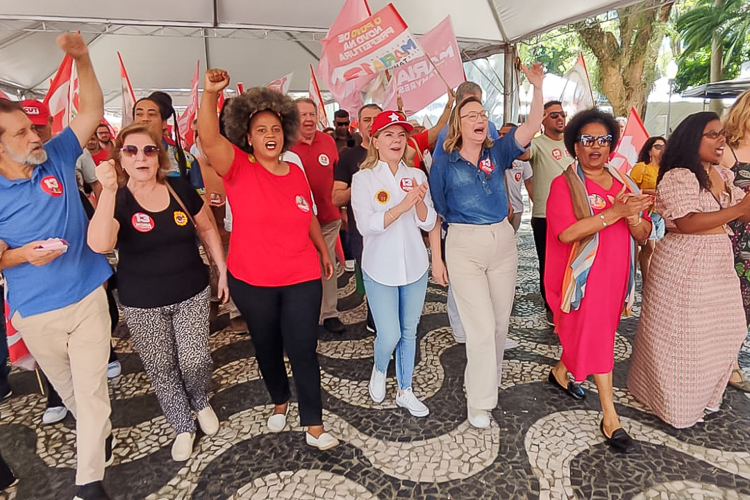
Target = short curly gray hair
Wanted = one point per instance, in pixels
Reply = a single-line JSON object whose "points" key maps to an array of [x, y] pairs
{"points": [[241, 109]]}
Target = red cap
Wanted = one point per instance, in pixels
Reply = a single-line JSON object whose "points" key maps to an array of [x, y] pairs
{"points": [[37, 111], [387, 118]]}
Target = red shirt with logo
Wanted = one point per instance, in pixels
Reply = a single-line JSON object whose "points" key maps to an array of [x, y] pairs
{"points": [[270, 243], [319, 160]]}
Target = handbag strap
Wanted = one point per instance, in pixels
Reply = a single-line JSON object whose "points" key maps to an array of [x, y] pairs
{"points": [[182, 205]]}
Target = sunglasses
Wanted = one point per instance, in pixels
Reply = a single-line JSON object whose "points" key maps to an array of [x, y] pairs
{"points": [[342, 124], [589, 140], [715, 134], [148, 151], [476, 115], [557, 114]]}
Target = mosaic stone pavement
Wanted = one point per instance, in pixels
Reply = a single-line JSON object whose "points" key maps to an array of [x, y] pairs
{"points": [[541, 444]]}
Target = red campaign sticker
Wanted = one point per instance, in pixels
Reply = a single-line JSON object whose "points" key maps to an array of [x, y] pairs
{"points": [[52, 186], [557, 154], [407, 184], [142, 222], [324, 160], [518, 176], [302, 203], [486, 166]]}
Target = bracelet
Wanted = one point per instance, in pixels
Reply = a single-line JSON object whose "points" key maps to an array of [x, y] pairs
{"points": [[604, 223], [389, 213], [640, 219]]}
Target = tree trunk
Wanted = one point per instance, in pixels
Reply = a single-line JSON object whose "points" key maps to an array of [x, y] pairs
{"points": [[627, 67], [716, 73]]}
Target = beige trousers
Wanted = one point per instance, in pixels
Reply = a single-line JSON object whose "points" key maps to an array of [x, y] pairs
{"points": [[330, 288], [482, 264], [72, 345]]}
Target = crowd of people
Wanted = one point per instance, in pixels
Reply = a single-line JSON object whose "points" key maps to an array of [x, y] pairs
{"points": [[75, 206]]}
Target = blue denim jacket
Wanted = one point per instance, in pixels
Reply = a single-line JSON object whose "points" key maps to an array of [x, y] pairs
{"points": [[465, 193]]}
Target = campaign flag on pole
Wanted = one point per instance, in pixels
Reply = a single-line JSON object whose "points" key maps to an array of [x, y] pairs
{"points": [[128, 96], [577, 94], [314, 94], [58, 98], [185, 121], [282, 84], [417, 82], [633, 138], [380, 42], [220, 102], [240, 88], [346, 93]]}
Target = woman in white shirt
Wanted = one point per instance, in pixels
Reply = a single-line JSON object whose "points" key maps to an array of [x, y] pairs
{"points": [[391, 204]]}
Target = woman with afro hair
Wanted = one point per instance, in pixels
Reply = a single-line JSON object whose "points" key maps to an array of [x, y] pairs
{"points": [[274, 272]]}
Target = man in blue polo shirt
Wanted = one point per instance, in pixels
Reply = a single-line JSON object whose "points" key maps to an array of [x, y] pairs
{"points": [[56, 297]]}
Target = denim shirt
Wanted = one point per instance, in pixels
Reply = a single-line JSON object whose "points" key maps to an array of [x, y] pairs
{"points": [[465, 193]]}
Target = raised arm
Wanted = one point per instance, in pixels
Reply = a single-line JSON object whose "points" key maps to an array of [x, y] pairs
{"points": [[91, 100], [103, 227], [216, 148], [531, 126], [433, 133]]}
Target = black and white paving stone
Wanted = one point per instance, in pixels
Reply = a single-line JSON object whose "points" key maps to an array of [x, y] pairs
{"points": [[541, 444]]}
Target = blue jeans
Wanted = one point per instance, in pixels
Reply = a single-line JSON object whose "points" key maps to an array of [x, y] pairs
{"points": [[396, 331]]}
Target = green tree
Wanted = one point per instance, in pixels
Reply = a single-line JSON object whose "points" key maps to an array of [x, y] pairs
{"points": [[626, 50]]}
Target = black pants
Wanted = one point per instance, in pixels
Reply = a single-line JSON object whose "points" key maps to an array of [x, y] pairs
{"points": [[285, 318], [539, 227]]}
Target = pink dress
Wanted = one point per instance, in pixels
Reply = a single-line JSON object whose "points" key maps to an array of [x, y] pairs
{"points": [[587, 335], [692, 321]]}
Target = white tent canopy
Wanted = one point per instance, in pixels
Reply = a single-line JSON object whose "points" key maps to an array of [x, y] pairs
{"points": [[257, 42]]}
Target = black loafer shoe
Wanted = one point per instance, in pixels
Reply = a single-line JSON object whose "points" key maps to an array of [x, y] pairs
{"points": [[620, 440], [573, 390]]}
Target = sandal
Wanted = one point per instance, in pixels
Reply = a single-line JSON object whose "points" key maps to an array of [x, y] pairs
{"points": [[743, 385]]}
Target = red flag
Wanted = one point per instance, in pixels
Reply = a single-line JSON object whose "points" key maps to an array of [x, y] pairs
{"points": [[62, 95], [282, 84], [577, 94], [3, 95], [380, 42], [185, 121], [240, 88], [347, 93], [128, 96], [220, 102], [635, 136], [417, 82], [314, 94]]}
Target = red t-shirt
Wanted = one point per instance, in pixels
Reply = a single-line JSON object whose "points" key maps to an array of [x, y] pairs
{"points": [[270, 243], [420, 143], [319, 160], [102, 155]]}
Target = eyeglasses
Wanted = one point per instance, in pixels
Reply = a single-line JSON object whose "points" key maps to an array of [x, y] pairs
{"points": [[715, 134], [149, 150], [658, 147], [557, 114], [476, 115], [589, 140], [342, 124]]}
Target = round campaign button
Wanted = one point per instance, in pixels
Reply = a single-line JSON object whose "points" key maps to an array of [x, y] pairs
{"points": [[486, 166], [52, 186], [180, 218], [324, 160], [142, 223], [597, 201], [302, 203], [407, 184], [382, 196]]}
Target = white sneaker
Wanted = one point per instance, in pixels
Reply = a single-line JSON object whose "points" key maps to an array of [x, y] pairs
{"points": [[182, 447], [349, 267], [407, 399], [277, 421], [208, 421], [510, 343], [478, 418], [54, 415], [323, 442], [377, 385], [114, 369]]}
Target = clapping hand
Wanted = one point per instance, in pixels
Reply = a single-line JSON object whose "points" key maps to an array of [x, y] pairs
{"points": [[628, 205]]}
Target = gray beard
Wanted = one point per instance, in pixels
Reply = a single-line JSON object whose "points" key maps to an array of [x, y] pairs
{"points": [[32, 159]]}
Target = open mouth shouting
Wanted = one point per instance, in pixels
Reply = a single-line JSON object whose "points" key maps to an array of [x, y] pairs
{"points": [[270, 145]]}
